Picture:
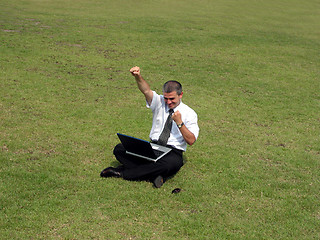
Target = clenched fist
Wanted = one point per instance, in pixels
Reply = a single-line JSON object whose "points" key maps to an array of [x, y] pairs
{"points": [[176, 116], [135, 71]]}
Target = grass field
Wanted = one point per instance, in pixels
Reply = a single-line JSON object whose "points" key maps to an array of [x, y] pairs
{"points": [[249, 68]]}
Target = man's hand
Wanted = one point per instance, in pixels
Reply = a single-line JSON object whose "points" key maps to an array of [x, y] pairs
{"points": [[135, 71], [176, 116]]}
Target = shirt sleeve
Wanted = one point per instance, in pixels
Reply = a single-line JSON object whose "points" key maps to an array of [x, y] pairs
{"points": [[192, 124], [154, 102]]}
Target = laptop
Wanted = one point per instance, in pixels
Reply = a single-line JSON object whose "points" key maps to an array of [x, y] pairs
{"points": [[142, 148]]}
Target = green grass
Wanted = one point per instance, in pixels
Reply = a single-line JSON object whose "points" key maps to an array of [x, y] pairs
{"points": [[250, 69]]}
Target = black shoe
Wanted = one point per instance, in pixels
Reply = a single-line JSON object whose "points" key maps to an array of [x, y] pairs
{"points": [[110, 172], [158, 182]]}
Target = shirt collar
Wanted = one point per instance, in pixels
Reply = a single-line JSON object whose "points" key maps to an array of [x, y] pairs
{"points": [[175, 109]]}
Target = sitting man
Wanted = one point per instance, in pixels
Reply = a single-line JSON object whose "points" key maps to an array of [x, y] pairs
{"points": [[166, 108]]}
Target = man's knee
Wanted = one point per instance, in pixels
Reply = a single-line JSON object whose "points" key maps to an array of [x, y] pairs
{"points": [[171, 167], [119, 149]]}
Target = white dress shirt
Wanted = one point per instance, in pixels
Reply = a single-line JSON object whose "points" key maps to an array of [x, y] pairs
{"points": [[160, 114]]}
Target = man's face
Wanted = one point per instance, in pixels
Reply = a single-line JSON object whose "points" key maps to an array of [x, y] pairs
{"points": [[172, 99]]}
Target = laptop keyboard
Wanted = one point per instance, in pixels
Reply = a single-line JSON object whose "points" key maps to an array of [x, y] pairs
{"points": [[157, 152]]}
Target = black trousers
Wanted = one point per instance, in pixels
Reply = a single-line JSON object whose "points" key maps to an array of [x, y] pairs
{"points": [[136, 168]]}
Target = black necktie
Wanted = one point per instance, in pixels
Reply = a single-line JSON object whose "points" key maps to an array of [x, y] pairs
{"points": [[164, 136]]}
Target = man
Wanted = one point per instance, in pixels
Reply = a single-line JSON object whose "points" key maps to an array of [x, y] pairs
{"points": [[182, 130]]}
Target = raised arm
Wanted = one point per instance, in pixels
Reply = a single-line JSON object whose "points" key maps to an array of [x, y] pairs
{"points": [[142, 84]]}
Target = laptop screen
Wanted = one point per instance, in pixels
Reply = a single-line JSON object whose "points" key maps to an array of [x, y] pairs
{"points": [[136, 145]]}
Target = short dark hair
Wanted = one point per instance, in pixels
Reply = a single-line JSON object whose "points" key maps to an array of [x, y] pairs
{"points": [[171, 86]]}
